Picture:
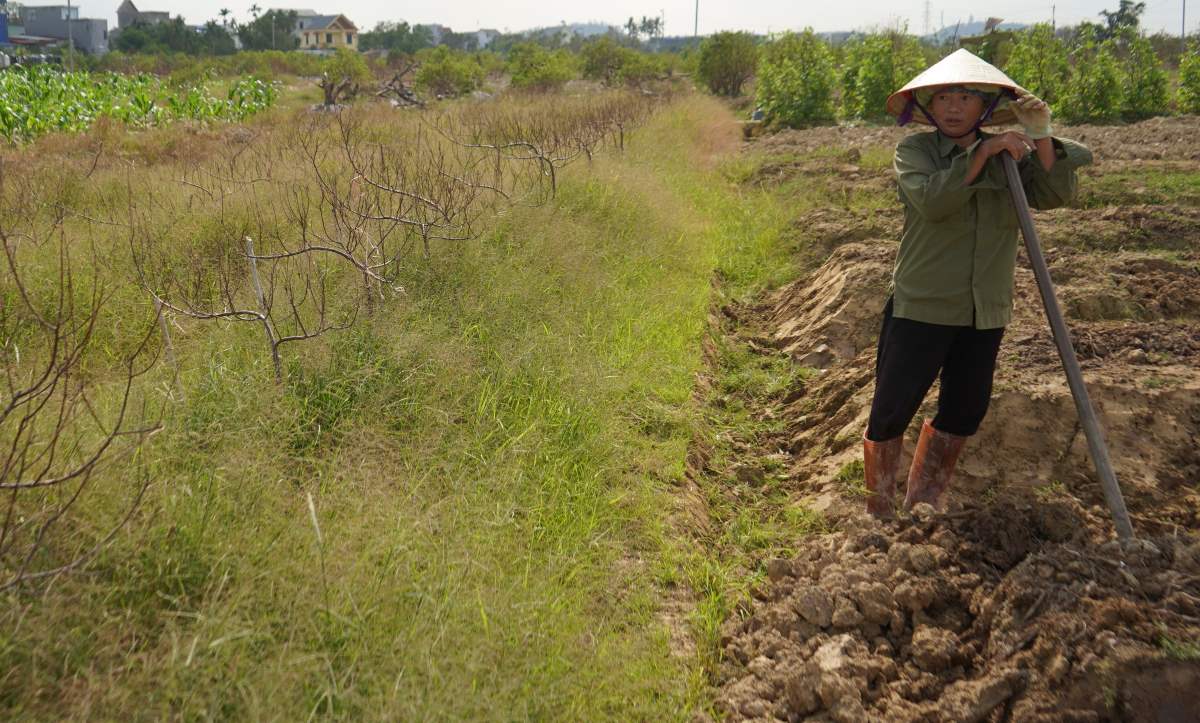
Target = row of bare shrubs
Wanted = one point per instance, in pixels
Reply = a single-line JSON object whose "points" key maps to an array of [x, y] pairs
{"points": [[298, 230]]}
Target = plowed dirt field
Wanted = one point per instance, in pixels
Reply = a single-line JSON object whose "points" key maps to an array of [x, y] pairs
{"points": [[1017, 603]]}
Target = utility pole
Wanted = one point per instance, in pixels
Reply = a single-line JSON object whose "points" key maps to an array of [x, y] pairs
{"points": [[70, 40], [1054, 19], [926, 17], [696, 27], [1183, 22]]}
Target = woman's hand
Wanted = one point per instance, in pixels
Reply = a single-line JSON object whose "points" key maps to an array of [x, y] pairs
{"points": [[1018, 145], [1032, 113]]}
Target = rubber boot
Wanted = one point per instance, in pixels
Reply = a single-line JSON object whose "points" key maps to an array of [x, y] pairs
{"points": [[881, 466], [932, 465]]}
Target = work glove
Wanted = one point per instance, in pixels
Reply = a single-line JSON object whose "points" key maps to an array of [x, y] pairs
{"points": [[1033, 113]]}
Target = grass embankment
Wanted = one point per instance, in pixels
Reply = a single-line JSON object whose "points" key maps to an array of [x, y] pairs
{"points": [[489, 459]]}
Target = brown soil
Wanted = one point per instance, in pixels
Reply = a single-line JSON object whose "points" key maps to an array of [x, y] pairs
{"points": [[1017, 604]]}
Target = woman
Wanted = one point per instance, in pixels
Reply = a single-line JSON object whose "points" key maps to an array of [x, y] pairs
{"points": [[953, 282]]}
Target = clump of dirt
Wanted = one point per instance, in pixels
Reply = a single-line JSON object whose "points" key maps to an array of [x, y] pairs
{"points": [[826, 317], [1009, 611]]}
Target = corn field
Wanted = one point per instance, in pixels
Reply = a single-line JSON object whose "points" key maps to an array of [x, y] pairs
{"points": [[42, 100]]}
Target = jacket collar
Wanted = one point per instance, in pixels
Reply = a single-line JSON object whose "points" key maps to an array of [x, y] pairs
{"points": [[946, 145]]}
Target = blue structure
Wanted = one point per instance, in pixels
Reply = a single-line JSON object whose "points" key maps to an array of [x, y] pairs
{"points": [[3, 22]]}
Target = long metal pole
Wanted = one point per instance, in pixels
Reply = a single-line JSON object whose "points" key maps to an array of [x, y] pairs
{"points": [[696, 27], [70, 40], [1062, 339]]}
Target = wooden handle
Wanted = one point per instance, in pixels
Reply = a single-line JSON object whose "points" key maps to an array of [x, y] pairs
{"points": [[1066, 352]]}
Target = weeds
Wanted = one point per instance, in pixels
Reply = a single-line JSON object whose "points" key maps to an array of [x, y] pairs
{"points": [[1181, 650], [853, 478]]}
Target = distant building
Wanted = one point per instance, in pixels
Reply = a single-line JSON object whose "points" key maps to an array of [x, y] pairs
{"points": [[328, 32], [128, 14], [484, 38], [59, 22]]}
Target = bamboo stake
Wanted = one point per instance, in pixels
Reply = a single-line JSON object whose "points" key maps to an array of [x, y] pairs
{"points": [[165, 327], [272, 337], [1066, 352]]}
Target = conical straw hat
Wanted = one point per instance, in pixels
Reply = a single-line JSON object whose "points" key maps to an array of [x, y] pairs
{"points": [[962, 67]]}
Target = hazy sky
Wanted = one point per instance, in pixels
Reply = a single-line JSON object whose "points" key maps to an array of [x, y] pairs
{"points": [[757, 15]]}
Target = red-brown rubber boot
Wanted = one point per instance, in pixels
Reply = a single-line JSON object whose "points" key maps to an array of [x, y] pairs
{"points": [[932, 465], [881, 466]]}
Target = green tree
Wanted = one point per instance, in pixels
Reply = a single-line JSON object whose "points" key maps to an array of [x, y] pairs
{"points": [[535, 68], [640, 68], [796, 80], [173, 36], [271, 30], [448, 73], [1122, 21], [341, 75], [602, 59], [216, 40], [400, 37], [1038, 62], [875, 67], [460, 41], [1189, 81], [1094, 89], [727, 60], [611, 63], [1146, 82]]}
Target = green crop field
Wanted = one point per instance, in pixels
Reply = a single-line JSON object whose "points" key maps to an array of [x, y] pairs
{"points": [[41, 100]]}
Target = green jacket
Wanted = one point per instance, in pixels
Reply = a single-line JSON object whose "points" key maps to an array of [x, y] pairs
{"points": [[959, 247]]}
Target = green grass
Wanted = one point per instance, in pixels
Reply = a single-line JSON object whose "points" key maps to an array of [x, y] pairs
{"points": [[1051, 490], [1176, 649], [853, 478], [1149, 185]]}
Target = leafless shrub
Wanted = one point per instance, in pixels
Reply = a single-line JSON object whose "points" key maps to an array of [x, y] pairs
{"points": [[549, 132], [57, 426], [249, 270]]}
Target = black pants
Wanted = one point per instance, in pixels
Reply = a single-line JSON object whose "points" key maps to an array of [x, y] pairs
{"points": [[911, 354]]}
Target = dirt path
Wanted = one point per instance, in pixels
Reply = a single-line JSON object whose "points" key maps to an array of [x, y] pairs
{"points": [[1016, 604]]}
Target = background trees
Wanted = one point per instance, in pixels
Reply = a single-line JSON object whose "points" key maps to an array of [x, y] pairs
{"points": [[1038, 62], [271, 30], [796, 80], [400, 37], [535, 68], [874, 68], [727, 61], [445, 72]]}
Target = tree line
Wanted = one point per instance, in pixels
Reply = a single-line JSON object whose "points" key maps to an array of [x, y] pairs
{"points": [[1092, 72]]}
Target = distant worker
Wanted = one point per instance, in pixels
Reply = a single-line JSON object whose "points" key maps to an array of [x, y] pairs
{"points": [[952, 287]]}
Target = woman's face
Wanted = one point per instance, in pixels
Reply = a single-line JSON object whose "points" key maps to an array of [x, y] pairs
{"points": [[955, 111]]}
